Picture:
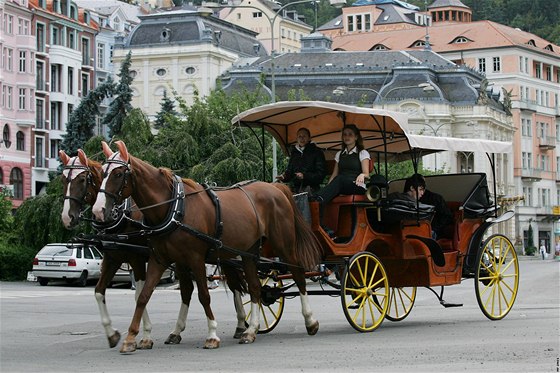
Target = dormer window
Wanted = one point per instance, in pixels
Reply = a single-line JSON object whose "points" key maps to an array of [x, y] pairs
{"points": [[165, 34], [379, 47], [531, 43], [549, 48], [86, 17], [460, 40], [419, 43]]}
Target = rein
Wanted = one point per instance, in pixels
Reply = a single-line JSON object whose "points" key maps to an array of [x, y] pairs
{"points": [[90, 182]]}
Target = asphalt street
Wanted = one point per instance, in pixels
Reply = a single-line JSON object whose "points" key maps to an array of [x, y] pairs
{"points": [[58, 329]]}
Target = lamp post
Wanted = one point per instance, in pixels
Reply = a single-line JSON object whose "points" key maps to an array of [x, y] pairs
{"points": [[272, 21], [435, 130]]}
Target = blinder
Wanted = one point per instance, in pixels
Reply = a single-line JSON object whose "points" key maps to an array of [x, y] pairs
{"points": [[89, 182], [118, 197]]}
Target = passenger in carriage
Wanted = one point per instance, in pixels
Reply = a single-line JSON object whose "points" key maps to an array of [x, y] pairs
{"points": [[351, 168], [415, 188], [306, 167]]}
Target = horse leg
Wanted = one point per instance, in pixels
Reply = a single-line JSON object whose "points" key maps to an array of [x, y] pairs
{"points": [[109, 267], [212, 339], [254, 285], [241, 316], [139, 270], [187, 288], [155, 270], [311, 324]]}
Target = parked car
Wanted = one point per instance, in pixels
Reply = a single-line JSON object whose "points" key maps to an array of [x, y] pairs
{"points": [[74, 263], [123, 275]]}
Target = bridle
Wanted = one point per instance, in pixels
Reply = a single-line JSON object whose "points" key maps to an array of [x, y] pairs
{"points": [[117, 198], [90, 182]]}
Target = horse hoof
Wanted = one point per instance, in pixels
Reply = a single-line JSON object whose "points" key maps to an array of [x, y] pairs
{"points": [[313, 329], [247, 338], [238, 333], [146, 344], [114, 339], [173, 339], [211, 344], [128, 347]]}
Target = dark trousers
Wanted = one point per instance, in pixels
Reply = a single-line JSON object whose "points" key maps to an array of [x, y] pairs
{"points": [[339, 185]]}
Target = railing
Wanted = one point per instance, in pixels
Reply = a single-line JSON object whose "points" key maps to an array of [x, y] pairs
{"points": [[548, 142], [529, 173]]}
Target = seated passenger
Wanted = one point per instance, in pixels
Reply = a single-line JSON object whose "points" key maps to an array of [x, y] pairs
{"points": [[351, 168], [415, 189], [306, 167]]}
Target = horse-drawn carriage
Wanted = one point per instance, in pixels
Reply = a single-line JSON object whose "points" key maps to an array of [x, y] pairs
{"points": [[253, 230], [384, 250]]}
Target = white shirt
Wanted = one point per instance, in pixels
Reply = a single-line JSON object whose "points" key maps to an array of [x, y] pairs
{"points": [[364, 154]]}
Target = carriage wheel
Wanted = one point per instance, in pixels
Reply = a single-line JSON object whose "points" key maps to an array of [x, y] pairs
{"points": [[497, 277], [365, 292], [271, 308], [401, 301]]}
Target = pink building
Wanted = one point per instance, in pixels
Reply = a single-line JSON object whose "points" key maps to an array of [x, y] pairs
{"points": [[17, 97]]}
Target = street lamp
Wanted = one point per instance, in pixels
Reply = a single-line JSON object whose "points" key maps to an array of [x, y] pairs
{"points": [[271, 20]]}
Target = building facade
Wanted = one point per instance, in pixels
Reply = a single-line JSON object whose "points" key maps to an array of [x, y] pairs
{"points": [[181, 51], [17, 95], [522, 70]]}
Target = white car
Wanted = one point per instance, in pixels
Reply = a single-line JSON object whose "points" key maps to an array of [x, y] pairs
{"points": [[74, 263], [123, 275]]}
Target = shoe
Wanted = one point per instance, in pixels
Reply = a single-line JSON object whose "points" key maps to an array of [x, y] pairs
{"points": [[213, 285]]}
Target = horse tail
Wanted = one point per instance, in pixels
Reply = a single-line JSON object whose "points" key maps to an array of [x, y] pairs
{"points": [[235, 279], [308, 251]]}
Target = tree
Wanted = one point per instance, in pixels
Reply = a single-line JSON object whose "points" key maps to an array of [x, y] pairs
{"points": [[121, 106], [166, 111], [81, 123], [6, 218]]}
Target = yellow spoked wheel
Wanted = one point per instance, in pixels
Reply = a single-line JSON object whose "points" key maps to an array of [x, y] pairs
{"points": [[497, 277], [271, 307], [365, 292], [401, 301]]}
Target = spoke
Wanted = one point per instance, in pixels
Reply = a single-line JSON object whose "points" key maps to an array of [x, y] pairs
{"points": [[373, 276], [362, 277], [508, 265], [377, 283], [371, 310], [507, 286], [264, 315]]}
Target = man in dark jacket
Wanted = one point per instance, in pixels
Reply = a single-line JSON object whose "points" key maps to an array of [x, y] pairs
{"points": [[307, 166]]}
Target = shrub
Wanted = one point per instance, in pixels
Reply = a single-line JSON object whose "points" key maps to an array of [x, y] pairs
{"points": [[15, 261], [530, 251]]}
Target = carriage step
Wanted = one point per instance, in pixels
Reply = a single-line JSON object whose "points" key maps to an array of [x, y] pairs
{"points": [[447, 305]]}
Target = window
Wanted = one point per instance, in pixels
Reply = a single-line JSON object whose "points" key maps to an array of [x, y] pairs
{"points": [[55, 147], [70, 80], [40, 37], [85, 85], [71, 39], [22, 98], [55, 78], [257, 14], [482, 65], [39, 114], [497, 67], [20, 141], [549, 73], [39, 152], [22, 61], [6, 135], [40, 73], [54, 36], [16, 179], [101, 55], [9, 55], [117, 24], [9, 97], [528, 193], [55, 116], [350, 23], [8, 23], [85, 52], [190, 70], [161, 72], [460, 40], [538, 70], [23, 26]]}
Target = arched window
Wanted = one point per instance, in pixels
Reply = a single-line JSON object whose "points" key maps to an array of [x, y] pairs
{"points": [[16, 179], [379, 47], [460, 40], [20, 141], [531, 42], [6, 136]]}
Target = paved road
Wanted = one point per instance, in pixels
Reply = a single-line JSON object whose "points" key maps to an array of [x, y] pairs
{"points": [[57, 329]]}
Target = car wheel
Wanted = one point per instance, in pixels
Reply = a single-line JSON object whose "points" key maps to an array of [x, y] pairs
{"points": [[82, 281], [171, 278], [43, 281]]}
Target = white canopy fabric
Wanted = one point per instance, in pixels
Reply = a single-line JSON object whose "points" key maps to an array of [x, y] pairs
{"points": [[384, 132]]}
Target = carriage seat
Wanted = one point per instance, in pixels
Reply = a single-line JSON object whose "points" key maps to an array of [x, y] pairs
{"points": [[394, 209]]}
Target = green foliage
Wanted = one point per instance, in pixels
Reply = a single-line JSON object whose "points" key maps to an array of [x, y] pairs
{"points": [[6, 218], [166, 112], [530, 249], [136, 133], [15, 260], [121, 106], [81, 124]]}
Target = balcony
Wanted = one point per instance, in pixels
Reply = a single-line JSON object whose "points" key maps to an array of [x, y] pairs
{"points": [[547, 142], [529, 105], [529, 174]]}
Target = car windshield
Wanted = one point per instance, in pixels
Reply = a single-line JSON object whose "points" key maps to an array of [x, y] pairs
{"points": [[56, 251]]}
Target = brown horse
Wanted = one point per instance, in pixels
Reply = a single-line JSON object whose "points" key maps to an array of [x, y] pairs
{"points": [[261, 211], [82, 178]]}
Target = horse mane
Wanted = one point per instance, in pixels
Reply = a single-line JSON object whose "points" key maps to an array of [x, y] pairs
{"points": [[170, 178]]}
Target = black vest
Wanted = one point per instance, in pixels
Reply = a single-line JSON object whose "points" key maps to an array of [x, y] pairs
{"points": [[349, 165]]}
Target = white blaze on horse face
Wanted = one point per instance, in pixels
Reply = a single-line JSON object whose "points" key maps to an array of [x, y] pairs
{"points": [[73, 173], [101, 200]]}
